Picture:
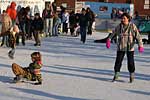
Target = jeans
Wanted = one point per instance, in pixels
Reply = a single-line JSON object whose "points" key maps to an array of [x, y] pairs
{"points": [[90, 28], [48, 26], [83, 33], [55, 30], [36, 35], [23, 34], [65, 27]]}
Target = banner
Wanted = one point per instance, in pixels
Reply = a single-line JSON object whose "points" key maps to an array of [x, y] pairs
{"points": [[36, 6]]}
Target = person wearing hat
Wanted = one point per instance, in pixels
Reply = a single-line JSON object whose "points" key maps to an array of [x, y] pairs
{"points": [[37, 25], [11, 11], [30, 73], [126, 34]]}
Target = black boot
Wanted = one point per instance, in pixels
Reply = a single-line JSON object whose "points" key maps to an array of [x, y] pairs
{"points": [[17, 78], [38, 83]]}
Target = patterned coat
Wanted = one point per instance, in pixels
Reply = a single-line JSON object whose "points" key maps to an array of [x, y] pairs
{"points": [[35, 67], [6, 22], [34, 71], [126, 36]]}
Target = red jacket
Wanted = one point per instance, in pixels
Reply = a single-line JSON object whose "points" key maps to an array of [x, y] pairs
{"points": [[11, 11]]}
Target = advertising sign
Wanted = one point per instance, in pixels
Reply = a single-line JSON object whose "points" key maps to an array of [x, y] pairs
{"points": [[35, 5]]}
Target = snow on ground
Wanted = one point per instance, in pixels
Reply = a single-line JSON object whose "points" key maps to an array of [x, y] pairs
{"points": [[75, 71]]}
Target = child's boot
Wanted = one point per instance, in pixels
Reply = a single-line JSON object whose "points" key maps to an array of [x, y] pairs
{"points": [[131, 77], [17, 78], [38, 83], [115, 76]]}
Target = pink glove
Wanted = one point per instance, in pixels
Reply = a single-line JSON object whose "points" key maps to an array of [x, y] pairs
{"points": [[108, 43], [141, 49]]}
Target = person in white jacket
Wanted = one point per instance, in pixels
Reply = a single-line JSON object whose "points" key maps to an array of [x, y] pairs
{"points": [[65, 21]]}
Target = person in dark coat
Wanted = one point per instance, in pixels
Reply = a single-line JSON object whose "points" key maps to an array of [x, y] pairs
{"points": [[83, 22], [21, 23], [72, 23], [91, 19], [37, 27]]}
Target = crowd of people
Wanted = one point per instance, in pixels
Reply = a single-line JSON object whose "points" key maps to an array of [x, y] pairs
{"points": [[20, 24], [51, 22]]}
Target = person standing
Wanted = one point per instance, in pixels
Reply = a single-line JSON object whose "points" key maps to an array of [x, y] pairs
{"points": [[83, 22], [21, 16], [91, 18], [28, 23], [126, 34], [56, 23], [6, 25], [11, 11], [65, 21], [37, 27], [72, 23], [48, 19]]}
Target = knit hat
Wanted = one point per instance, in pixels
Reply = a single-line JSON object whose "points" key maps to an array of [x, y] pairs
{"points": [[36, 56]]}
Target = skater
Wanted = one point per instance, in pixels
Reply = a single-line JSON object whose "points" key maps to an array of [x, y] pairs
{"points": [[56, 23], [47, 15], [83, 23], [37, 27], [12, 40], [21, 15], [65, 21], [72, 23], [91, 19], [30, 73], [126, 34]]}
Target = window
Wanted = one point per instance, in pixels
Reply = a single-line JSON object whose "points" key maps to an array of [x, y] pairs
{"points": [[101, 0], [103, 8], [64, 5], [147, 4]]}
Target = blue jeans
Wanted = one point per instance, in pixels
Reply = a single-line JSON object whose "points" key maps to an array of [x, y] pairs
{"points": [[48, 26], [83, 33], [55, 30]]}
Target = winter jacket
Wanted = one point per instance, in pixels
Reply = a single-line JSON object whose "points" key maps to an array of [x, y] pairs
{"points": [[6, 22], [12, 39], [65, 17], [126, 36], [37, 24], [11, 11], [83, 20], [47, 14], [35, 67]]}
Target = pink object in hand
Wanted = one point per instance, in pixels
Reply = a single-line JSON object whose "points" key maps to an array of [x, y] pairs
{"points": [[108, 43], [141, 49]]}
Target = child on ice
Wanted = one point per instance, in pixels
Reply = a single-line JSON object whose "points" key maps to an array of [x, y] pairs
{"points": [[12, 40], [32, 72]]}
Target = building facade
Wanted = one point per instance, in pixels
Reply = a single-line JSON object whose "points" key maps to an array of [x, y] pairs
{"points": [[142, 6], [69, 4]]}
